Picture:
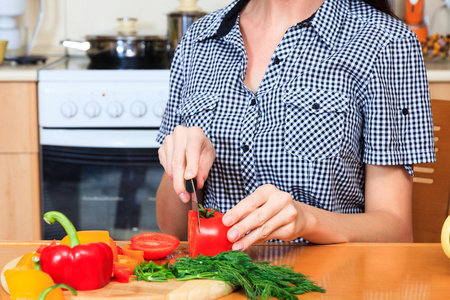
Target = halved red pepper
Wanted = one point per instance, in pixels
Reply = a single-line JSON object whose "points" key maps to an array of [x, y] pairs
{"points": [[84, 267], [211, 239]]}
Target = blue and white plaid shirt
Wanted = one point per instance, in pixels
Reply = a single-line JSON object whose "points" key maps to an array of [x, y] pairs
{"points": [[344, 88]]}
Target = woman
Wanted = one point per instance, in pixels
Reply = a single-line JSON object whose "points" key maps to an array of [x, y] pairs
{"points": [[301, 119]]}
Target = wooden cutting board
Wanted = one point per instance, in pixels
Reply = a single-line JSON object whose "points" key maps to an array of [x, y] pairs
{"points": [[172, 290]]}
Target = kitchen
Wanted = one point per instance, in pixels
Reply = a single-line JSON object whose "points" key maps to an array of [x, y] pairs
{"points": [[19, 184], [54, 28]]}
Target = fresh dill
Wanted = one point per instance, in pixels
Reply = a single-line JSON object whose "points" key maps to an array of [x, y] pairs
{"points": [[260, 280]]}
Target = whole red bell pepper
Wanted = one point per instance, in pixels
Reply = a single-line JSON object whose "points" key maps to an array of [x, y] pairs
{"points": [[211, 238], [84, 267]]}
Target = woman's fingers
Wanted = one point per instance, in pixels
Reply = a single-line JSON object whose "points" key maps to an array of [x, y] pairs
{"points": [[198, 152], [178, 163], [185, 154], [266, 214], [207, 158], [282, 226]]}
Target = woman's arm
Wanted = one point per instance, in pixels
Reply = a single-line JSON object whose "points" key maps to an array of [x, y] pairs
{"points": [[186, 153], [270, 213], [171, 212]]}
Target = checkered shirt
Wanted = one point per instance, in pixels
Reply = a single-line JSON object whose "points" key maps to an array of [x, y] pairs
{"points": [[344, 88]]}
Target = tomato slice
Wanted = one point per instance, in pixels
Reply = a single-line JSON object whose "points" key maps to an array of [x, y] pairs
{"points": [[154, 244]]}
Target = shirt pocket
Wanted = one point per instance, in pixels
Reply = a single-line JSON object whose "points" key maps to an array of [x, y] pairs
{"points": [[314, 123], [198, 110]]}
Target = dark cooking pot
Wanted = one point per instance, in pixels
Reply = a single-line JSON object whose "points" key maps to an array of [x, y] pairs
{"points": [[124, 51]]}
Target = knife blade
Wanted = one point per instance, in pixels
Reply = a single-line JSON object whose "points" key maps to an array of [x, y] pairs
{"points": [[191, 188]]}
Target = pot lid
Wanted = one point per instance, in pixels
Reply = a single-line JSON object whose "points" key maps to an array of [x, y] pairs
{"points": [[119, 37], [127, 30]]}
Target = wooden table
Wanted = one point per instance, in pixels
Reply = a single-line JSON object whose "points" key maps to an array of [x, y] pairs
{"points": [[346, 271]]}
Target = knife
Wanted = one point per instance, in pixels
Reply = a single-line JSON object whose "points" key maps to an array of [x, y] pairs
{"points": [[191, 188]]}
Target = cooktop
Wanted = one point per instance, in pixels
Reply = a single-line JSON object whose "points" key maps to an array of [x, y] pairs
{"points": [[77, 68]]}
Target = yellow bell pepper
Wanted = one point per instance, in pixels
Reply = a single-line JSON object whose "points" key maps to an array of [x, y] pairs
{"points": [[27, 260], [33, 284], [94, 236], [88, 237], [29, 284]]}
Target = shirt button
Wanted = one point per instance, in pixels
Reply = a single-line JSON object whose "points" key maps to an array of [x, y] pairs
{"points": [[405, 111], [276, 60], [316, 106], [253, 102], [245, 148]]}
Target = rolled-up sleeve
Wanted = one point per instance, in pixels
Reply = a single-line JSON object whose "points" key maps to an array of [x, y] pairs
{"points": [[398, 128]]}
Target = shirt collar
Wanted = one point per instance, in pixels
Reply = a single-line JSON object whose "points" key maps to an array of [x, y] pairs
{"points": [[328, 18], [224, 21], [326, 21]]}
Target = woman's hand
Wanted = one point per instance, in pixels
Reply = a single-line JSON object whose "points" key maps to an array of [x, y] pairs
{"points": [[266, 214], [186, 153]]}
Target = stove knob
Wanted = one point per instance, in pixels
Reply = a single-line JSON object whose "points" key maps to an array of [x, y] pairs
{"points": [[69, 109], [115, 109], [138, 109], [92, 109], [158, 108]]}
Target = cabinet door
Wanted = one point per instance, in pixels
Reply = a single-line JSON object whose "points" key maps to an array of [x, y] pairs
{"points": [[440, 90], [19, 162], [431, 188], [19, 197], [18, 117]]}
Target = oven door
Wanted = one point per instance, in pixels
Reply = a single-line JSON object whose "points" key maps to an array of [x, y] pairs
{"points": [[100, 179]]}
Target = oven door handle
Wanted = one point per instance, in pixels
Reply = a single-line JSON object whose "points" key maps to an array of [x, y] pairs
{"points": [[99, 138]]}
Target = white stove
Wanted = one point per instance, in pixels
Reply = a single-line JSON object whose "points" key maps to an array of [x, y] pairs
{"points": [[98, 149], [71, 96]]}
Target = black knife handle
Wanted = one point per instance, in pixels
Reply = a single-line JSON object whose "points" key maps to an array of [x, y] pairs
{"points": [[189, 188]]}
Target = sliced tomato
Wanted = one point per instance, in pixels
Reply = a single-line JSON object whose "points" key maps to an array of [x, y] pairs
{"points": [[121, 273], [154, 244]]}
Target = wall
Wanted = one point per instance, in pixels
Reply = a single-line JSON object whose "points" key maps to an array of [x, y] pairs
{"points": [[74, 19]]}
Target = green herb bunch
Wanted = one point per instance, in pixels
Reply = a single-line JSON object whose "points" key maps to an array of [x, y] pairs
{"points": [[260, 280]]}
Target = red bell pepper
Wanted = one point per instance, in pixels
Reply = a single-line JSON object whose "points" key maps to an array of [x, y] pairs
{"points": [[84, 267], [211, 239]]}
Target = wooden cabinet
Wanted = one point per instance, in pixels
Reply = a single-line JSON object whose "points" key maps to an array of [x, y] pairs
{"points": [[431, 188], [440, 90], [19, 162]]}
